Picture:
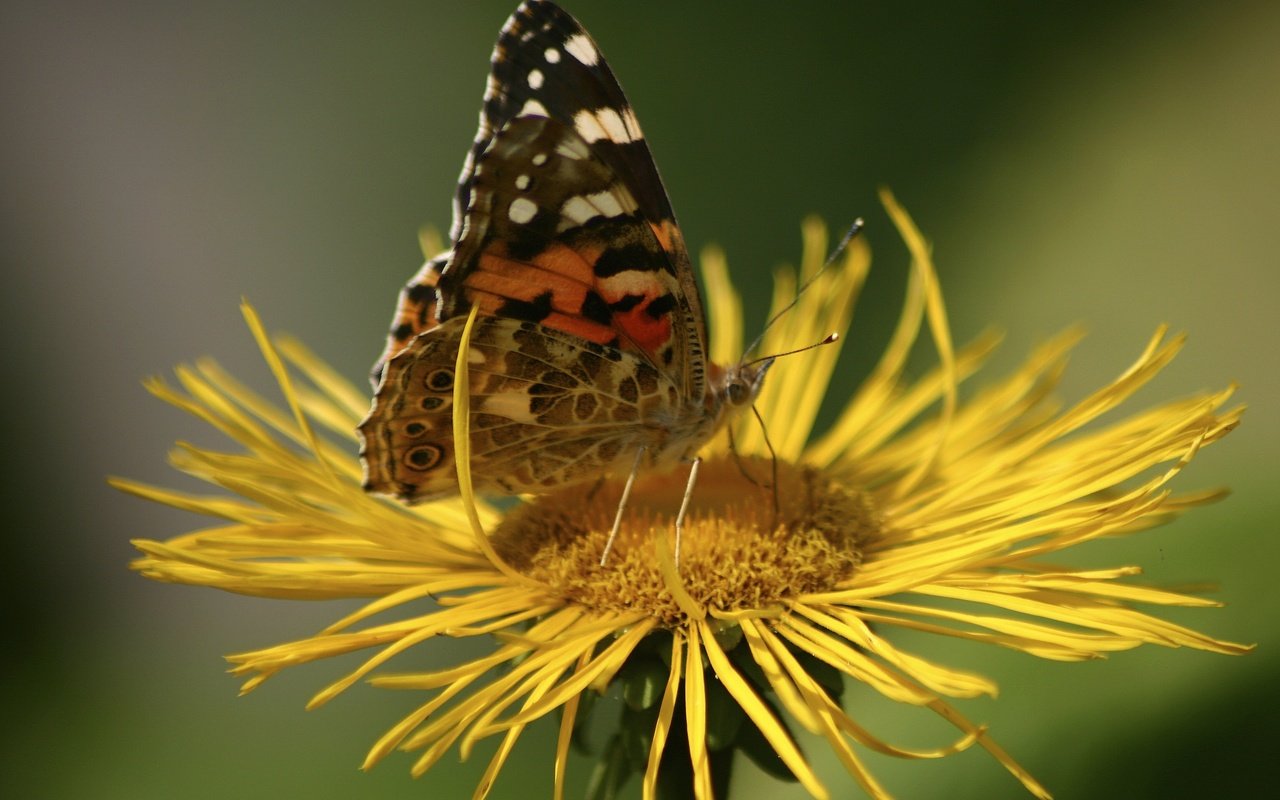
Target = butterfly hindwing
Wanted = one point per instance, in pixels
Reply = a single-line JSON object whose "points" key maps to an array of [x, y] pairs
{"points": [[415, 311], [547, 409]]}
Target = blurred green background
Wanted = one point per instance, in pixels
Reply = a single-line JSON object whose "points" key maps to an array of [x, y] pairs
{"points": [[1114, 163]]}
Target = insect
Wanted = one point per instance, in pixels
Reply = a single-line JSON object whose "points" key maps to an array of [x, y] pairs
{"points": [[589, 354]]}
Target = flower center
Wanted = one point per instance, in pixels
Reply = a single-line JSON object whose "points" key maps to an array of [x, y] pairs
{"points": [[737, 551]]}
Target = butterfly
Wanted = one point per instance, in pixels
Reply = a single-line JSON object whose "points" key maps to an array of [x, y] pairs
{"points": [[589, 354]]}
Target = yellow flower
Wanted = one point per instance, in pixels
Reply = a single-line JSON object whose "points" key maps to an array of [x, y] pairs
{"points": [[914, 510]]}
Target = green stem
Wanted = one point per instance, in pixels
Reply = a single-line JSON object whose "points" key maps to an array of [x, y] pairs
{"points": [[721, 771]]}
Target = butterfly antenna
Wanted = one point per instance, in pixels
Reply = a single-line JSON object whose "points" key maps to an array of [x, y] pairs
{"points": [[853, 231], [831, 337]]}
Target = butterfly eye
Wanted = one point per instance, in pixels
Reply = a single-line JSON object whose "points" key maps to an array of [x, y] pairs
{"points": [[737, 393]]}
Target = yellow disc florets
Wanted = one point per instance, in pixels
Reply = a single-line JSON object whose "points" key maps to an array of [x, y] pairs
{"points": [[738, 551]]}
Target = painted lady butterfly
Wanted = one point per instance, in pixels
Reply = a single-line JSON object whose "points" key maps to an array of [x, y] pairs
{"points": [[589, 354]]}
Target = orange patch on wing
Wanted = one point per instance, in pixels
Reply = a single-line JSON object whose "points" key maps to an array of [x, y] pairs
{"points": [[418, 316], [666, 233], [414, 316], [575, 264], [648, 333], [569, 274], [573, 324], [581, 327], [519, 280]]}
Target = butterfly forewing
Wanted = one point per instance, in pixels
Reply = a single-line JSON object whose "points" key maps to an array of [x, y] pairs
{"points": [[545, 64], [555, 238], [559, 167]]}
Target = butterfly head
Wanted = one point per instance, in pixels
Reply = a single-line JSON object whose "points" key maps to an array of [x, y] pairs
{"points": [[738, 386], [741, 383]]}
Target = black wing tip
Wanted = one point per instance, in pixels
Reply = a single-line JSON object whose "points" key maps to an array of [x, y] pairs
{"points": [[532, 11]]}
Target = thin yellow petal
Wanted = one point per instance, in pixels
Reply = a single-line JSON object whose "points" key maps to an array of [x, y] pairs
{"points": [[695, 715], [723, 308], [462, 449], [610, 659], [880, 388], [341, 392], [672, 580], [758, 712], [1040, 640], [846, 624], [567, 721], [936, 315], [782, 686], [284, 423], [950, 714], [835, 722], [791, 398], [509, 742], [850, 661], [286, 385], [666, 711]]}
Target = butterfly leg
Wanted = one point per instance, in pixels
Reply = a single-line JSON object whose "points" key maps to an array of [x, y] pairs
{"points": [[737, 459], [773, 457], [684, 504], [622, 506]]}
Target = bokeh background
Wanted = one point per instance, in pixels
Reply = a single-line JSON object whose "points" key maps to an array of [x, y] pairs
{"points": [[1113, 163]]}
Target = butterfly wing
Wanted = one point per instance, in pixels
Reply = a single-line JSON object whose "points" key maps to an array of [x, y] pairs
{"points": [[560, 216], [591, 338], [547, 410], [415, 312]]}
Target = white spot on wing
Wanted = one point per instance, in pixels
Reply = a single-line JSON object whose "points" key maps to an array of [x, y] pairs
{"points": [[535, 79], [581, 48], [474, 356], [606, 202], [588, 127], [510, 405], [552, 55], [539, 159], [522, 210], [522, 182], [613, 125], [579, 209], [532, 108], [630, 281], [492, 87], [607, 123]]}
